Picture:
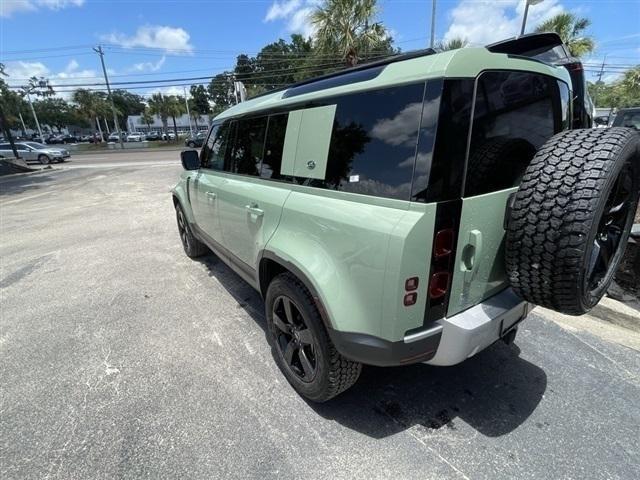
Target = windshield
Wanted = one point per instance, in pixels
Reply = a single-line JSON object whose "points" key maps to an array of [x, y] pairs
{"points": [[35, 145]]}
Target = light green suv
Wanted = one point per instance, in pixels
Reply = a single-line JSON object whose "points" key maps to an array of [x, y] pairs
{"points": [[411, 210]]}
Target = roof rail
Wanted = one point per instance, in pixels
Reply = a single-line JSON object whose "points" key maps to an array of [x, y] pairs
{"points": [[358, 68]]}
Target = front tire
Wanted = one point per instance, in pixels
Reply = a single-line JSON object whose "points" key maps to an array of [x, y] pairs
{"points": [[572, 216], [300, 344], [44, 159], [192, 246]]}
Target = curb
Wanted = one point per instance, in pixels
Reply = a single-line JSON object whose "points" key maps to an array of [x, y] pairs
{"points": [[618, 313]]}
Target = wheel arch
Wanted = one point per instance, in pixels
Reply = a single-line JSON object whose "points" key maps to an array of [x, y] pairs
{"points": [[271, 265]]}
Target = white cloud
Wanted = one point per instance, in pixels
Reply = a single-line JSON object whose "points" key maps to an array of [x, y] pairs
{"points": [[282, 9], [486, 21], [401, 129], [19, 71], [149, 66], [171, 39], [295, 13], [9, 7]]}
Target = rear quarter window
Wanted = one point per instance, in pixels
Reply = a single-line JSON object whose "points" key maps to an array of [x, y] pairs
{"points": [[514, 114]]}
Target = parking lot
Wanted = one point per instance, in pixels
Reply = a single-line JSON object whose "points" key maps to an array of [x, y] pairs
{"points": [[121, 357]]}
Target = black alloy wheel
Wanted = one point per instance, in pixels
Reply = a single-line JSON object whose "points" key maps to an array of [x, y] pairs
{"points": [[618, 212], [294, 340]]}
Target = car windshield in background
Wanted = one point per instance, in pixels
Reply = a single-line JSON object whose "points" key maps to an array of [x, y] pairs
{"points": [[628, 119]]}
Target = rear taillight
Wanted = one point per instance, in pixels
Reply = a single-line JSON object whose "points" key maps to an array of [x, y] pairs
{"points": [[443, 243], [438, 285]]}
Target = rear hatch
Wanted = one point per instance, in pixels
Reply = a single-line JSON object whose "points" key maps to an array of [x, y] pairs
{"points": [[514, 114]]}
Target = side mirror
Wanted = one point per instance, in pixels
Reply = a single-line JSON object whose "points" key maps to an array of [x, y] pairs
{"points": [[190, 159]]}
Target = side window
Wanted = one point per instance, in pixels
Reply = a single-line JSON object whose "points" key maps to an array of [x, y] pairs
{"points": [[248, 146], [373, 143], [217, 145], [21, 147], [274, 146], [514, 114]]}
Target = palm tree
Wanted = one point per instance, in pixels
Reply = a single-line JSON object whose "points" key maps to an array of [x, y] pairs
{"points": [[159, 105], [176, 108], [453, 44], [91, 105], [570, 28], [147, 118], [347, 28]]}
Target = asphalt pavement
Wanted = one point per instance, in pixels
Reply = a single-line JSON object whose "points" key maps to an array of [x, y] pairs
{"points": [[122, 358]]}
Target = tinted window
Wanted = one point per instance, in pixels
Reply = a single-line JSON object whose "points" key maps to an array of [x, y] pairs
{"points": [[213, 154], [515, 113], [274, 146], [248, 146], [5, 146], [373, 143]]}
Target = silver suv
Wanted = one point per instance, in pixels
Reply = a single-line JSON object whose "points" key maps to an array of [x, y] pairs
{"points": [[35, 151]]}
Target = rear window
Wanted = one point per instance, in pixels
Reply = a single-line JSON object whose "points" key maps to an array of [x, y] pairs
{"points": [[514, 114], [373, 142]]}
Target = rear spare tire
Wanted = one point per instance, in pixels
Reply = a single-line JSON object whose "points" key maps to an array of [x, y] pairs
{"points": [[571, 218]]}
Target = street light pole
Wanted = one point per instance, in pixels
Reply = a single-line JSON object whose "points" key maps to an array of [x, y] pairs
{"points": [[433, 23], [35, 117], [186, 102], [113, 105], [526, 12]]}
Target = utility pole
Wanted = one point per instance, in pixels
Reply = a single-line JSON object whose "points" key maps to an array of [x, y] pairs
{"points": [[433, 24], [526, 12], [113, 105], [186, 102], [598, 83], [24, 127]]}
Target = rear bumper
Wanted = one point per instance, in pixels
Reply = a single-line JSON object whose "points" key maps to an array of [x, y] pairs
{"points": [[447, 342], [473, 330]]}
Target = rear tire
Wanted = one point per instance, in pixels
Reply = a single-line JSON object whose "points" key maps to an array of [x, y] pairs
{"points": [[192, 246], [571, 218], [300, 344], [43, 159]]}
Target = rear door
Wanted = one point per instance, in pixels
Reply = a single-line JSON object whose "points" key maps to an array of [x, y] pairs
{"points": [[514, 114], [250, 207]]}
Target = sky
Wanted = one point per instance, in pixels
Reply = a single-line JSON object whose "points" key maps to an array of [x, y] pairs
{"points": [[171, 39]]}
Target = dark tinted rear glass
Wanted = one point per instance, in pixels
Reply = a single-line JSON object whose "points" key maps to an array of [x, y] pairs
{"points": [[373, 143], [515, 113], [247, 146], [274, 146], [214, 152]]}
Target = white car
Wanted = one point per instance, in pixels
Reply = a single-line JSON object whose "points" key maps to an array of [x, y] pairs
{"points": [[135, 137]]}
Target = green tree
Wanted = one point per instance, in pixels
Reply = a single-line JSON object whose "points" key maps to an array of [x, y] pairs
{"points": [[623, 93], [453, 44], [348, 28], [160, 105], [199, 100], [282, 63], [146, 117], [91, 105], [571, 29], [54, 112], [127, 103], [221, 91]]}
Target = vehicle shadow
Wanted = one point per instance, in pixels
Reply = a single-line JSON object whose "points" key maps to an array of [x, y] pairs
{"points": [[494, 392]]}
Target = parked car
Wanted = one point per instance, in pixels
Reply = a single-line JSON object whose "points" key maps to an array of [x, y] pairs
{"points": [[153, 136], [627, 117], [113, 137], [62, 138], [135, 137], [195, 140], [408, 211], [35, 151]]}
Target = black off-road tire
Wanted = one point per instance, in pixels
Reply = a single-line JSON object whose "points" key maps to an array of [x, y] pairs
{"points": [[192, 246], [334, 373], [555, 227]]}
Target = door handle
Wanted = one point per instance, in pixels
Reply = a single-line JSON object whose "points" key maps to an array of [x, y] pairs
{"points": [[211, 195], [471, 255], [254, 210]]}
